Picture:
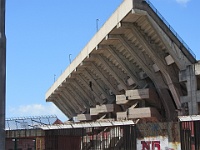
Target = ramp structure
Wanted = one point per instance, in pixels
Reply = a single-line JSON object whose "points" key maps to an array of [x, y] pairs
{"points": [[135, 67]]}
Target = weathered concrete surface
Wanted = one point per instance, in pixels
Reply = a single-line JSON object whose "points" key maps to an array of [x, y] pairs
{"points": [[134, 50], [149, 113], [2, 74], [84, 117], [104, 109], [159, 136], [190, 76], [122, 115]]}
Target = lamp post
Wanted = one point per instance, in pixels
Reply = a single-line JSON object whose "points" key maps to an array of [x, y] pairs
{"points": [[70, 58], [2, 74], [97, 24]]}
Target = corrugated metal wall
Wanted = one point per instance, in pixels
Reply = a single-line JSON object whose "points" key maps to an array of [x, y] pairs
{"points": [[190, 135], [149, 136], [63, 139], [112, 138], [21, 144], [94, 138]]}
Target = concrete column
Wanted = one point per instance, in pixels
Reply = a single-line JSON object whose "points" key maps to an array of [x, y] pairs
{"points": [[192, 90], [2, 74], [189, 76]]}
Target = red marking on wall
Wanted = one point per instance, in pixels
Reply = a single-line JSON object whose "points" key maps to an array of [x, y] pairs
{"points": [[150, 145], [146, 145]]}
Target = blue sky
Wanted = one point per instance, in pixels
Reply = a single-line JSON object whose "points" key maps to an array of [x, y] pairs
{"points": [[41, 34]]}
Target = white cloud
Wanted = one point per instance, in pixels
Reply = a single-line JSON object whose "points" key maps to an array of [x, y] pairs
{"points": [[184, 2], [36, 110]]}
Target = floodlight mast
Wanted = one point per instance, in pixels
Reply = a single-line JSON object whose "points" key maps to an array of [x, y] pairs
{"points": [[2, 74]]}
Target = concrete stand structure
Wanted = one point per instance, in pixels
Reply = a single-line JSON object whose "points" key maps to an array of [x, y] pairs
{"points": [[191, 100], [2, 74], [128, 87], [136, 67]]}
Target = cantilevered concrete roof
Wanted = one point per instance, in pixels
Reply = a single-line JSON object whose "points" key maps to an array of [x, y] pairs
{"points": [[135, 49]]}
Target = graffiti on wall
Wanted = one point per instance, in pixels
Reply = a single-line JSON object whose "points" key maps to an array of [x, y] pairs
{"points": [[153, 143], [158, 136], [150, 145]]}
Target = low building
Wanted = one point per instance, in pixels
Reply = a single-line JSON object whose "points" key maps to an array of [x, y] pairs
{"points": [[108, 134]]}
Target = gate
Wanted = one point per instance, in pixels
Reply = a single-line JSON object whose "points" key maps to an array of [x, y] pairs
{"points": [[190, 135], [112, 138], [93, 138]]}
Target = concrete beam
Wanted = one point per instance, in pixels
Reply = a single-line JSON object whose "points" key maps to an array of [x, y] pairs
{"points": [[161, 87], [87, 86], [122, 115], [110, 69], [80, 97], [61, 107], [175, 51], [155, 67], [121, 99], [147, 112], [130, 81], [66, 99], [118, 15], [65, 102], [131, 49], [68, 111], [137, 94], [83, 92], [123, 62], [97, 86], [107, 108], [169, 60], [73, 95], [159, 61], [197, 68], [104, 78], [84, 117], [141, 63], [66, 95]]}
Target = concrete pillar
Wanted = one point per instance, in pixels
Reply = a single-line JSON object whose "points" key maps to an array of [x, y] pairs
{"points": [[2, 74], [192, 91], [189, 76]]}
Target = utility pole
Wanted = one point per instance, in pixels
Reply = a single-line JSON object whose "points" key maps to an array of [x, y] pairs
{"points": [[2, 74]]}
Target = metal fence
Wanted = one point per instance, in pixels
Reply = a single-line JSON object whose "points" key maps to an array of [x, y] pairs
{"points": [[182, 135], [21, 144], [29, 122], [170, 27], [94, 138], [190, 135]]}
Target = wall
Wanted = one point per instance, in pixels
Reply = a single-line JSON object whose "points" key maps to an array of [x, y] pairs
{"points": [[20, 144], [158, 136]]}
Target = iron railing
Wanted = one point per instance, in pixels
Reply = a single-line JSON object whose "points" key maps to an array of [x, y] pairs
{"points": [[29, 122], [170, 27]]}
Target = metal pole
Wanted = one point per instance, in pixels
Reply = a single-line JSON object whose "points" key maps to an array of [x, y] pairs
{"points": [[15, 148], [97, 24], [2, 74], [70, 59]]}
